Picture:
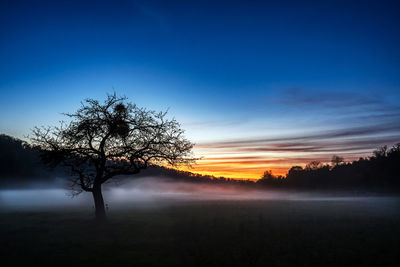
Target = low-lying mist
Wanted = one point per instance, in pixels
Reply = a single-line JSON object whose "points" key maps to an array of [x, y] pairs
{"points": [[153, 192]]}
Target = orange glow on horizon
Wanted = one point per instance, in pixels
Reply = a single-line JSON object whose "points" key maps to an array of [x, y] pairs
{"points": [[236, 169], [229, 162]]}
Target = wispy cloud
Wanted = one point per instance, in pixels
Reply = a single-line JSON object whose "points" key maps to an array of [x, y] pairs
{"points": [[338, 107], [303, 98], [251, 156], [288, 141]]}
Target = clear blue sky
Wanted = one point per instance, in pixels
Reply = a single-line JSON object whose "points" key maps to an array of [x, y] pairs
{"points": [[271, 73]]}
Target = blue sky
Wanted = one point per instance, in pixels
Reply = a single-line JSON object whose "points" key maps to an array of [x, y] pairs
{"points": [[230, 71]]}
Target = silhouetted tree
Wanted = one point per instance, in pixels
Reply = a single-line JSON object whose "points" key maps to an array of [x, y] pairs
{"points": [[102, 141], [381, 152], [267, 175], [295, 176], [313, 165], [336, 160], [295, 169], [270, 180]]}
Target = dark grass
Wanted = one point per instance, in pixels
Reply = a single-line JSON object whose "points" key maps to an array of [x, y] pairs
{"points": [[208, 233]]}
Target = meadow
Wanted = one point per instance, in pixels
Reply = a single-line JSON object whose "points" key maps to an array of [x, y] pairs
{"points": [[310, 232]]}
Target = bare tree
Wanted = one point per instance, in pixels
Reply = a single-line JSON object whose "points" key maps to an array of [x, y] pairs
{"points": [[105, 140], [337, 160], [381, 152], [313, 165]]}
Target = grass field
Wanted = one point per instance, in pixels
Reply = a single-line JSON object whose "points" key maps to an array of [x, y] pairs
{"points": [[363, 232]]}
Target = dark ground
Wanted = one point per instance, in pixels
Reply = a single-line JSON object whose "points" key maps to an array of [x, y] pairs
{"points": [[209, 233]]}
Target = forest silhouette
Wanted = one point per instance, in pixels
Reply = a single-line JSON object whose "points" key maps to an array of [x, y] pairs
{"points": [[20, 164]]}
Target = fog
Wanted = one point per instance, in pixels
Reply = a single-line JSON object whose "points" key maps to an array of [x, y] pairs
{"points": [[157, 192]]}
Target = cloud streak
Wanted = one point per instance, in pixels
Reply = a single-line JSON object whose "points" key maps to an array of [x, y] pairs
{"points": [[249, 157], [367, 132], [297, 97]]}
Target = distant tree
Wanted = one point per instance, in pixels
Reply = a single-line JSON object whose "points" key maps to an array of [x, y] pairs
{"points": [[269, 179], [105, 140], [336, 160], [394, 151], [267, 175], [313, 165], [295, 169], [295, 176], [381, 152]]}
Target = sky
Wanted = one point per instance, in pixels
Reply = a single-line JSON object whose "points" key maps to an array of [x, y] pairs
{"points": [[256, 85]]}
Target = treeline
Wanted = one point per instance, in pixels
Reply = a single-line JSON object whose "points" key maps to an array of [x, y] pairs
{"points": [[380, 171], [192, 177], [20, 163]]}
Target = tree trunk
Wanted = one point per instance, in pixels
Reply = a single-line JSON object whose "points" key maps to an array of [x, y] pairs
{"points": [[99, 203]]}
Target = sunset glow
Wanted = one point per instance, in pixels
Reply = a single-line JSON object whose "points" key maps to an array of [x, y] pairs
{"points": [[249, 158]]}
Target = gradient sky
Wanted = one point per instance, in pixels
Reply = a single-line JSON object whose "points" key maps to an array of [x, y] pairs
{"points": [[256, 85]]}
